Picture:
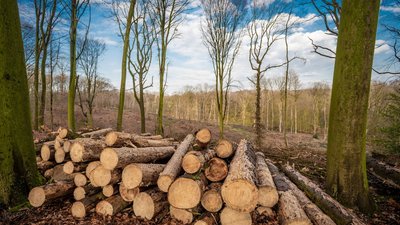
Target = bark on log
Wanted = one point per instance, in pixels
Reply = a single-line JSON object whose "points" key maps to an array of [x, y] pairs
{"points": [[388, 174], [230, 216], [66, 133], [58, 143], [216, 170], [111, 205], [224, 149], [211, 199], [326, 203], [148, 204], [69, 167], [185, 192], [128, 194], [44, 165], [58, 174], [185, 216], [112, 158], [79, 209], [239, 190], [81, 192], [193, 161], [290, 211], [173, 167], [267, 193], [47, 152], [203, 137], [38, 195], [86, 149], [207, 219], [97, 133], [265, 211], [121, 139], [140, 174]]}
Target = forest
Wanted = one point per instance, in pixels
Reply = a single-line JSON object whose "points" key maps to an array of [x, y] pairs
{"points": [[199, 112]]}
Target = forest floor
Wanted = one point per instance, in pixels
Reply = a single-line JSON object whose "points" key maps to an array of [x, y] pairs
{"points": [[306, 153]]}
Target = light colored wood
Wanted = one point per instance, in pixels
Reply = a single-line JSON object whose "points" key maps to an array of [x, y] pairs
{"points": [[59, 155], [185, 193], [86, 149], [65, 133], [44, 165], [112, 158], [211, 199], [69, 167], [58, 174], [97, 133], [182, 215], [265, 211], [203, 137], [230, 216], [101, 176], [38, 195], [108, 190], [128, 194], [83, 191], [267, 193], [148, 204], [90, 167], [290, 211], [47, 152], [121, 139], [58, 143], [110, 206], [173, 167], [67, 146], [239, 190], [80, 180], [207, 219], [224, 149], [141, 174], [216, 169], [193, 161], [79, 209]]}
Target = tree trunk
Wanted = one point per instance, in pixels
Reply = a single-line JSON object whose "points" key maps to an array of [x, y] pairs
{"points": [[97, 133], [38, 195], [216, 169], [239, 190], [173, 167], [182, 215], [82, 191], [290, 211], [112, 158], [148, 204], [72, 59], [86, 149], [110, 206], [185, 192], [389, 174], [267, 194], [346, 161], [80, 208], [230, 216], [258, 109], [135, 175], [193, 161], [125, 37], [18, 171], [44, 83]]}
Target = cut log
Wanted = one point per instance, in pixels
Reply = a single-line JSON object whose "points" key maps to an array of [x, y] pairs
{"points": [[86, 149], [69, 167], [97, 133], [44, 165], [230, 216], [267, 193], [173, 167], [111, 205], [193, 161], [186, 192], [239, 190], [207, 219], [268, 212], [80, 180], [90, 167], [66, 133], [128, 194], [67, 146], [80, 208], [216, 170], [211, 199], [38, 195], [147, 204], [326, 203], [109, 190], [58, 143], [183, 215], [121, 139], [48, 173], [203, 137], [47, 152], [81, 192], [388, 174], [112, 158], [59, 155], [224, 149], [59, 175], [140, 174], [290, 211], [101, 176]]}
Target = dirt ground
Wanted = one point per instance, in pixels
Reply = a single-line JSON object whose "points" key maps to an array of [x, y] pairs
{"points": [[305, 153]]}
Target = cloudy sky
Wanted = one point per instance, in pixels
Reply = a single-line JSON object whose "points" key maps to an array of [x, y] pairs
{"points": [[189, 62]]}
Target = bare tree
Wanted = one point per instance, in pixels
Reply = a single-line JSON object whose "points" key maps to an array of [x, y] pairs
{"points": [[54, 62], [295, 85], [140, 61], [88, 63], [222, 37]]}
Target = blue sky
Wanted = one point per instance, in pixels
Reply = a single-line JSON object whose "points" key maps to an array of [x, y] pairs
{"points": [[189, 62]]}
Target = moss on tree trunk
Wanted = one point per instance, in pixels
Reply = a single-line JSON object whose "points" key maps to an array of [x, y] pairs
{"points": [[18, 172], [346, 165]]}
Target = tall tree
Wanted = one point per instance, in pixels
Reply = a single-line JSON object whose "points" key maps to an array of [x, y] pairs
{"points": [[76, 9], [346, 162], [140, 56], [222, 38], [167, 15], [18, 172]]}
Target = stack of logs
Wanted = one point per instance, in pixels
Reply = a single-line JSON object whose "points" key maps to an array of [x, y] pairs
{"points": [[198, 181]]}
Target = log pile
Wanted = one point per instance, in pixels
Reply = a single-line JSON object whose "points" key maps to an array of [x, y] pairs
{"points": [[197, 181]]}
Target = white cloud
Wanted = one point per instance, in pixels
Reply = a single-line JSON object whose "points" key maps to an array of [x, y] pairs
{"points": [[393, 9]]}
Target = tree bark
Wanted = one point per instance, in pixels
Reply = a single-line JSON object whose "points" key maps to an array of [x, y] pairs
{"points": [[97, 133], [110, 206], [290, 211], [230, 216], [38, 195], [80, 208], [267, 193], [86, 149], [389, 174]]}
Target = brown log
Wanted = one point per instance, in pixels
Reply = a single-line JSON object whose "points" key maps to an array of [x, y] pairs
{"points": [[230, 216], [112, 158], [185, 192], [47, 151], [128, 194], [44, 165], [211, 199], [59, 155], [81, 192], [239, 190], [185, 216], [325, 202], [173, 167], [109, 190], [290, 211], [267, 193], [216, 170], [388, 174], [67, 146], [38, 195], [69, 167], [224, 149], [90, 167], [265, 211], [58, 143], [48, 173], [121, 139], [97, 133], [80, 180], [101, 176], [80, 208], [86, 149], [111, 205], [66, 133], [140, 174], [58, 174], [148, 204], [207, 219], [203, 137], [193, 161]]}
